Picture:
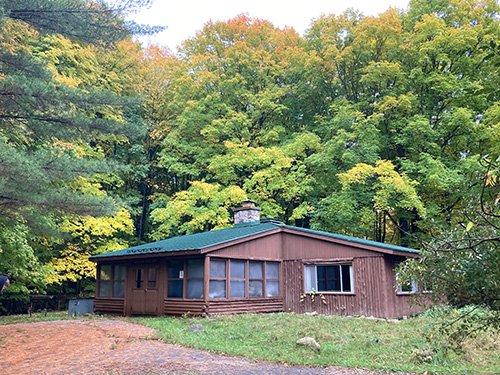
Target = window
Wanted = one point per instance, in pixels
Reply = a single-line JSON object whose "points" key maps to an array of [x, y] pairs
{"points": [[329, 278], [256, 279], [105, 281], [185, 279], [112, 281], [243, 279], [272, 279], [408, 287], [194, 286], [175, 271], [138, 278], [237, 271], [152, 278], [217, 287]]}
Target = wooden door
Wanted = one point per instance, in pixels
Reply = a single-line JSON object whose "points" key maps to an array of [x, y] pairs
{"points": [[145, 290]]}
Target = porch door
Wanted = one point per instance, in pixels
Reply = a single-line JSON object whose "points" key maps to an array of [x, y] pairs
{"points": [[145, 294]]}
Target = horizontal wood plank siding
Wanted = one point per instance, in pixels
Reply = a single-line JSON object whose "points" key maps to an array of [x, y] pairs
{"points": [[180, 307], [109, 305], [240, 306], [368, 298], [298, 247]]}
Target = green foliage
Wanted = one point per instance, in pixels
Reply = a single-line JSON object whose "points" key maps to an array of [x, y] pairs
{"points": [[64, 116], [202, 207], [19, 259], [371, 126], [379, 191], [456, 329]]}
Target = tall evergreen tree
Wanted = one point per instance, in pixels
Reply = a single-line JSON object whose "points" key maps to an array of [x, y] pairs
{"points": [[51, 131]]}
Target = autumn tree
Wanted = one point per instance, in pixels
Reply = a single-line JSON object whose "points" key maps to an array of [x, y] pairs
{"points": [[56, 114], [408, 88], [231, 118]]}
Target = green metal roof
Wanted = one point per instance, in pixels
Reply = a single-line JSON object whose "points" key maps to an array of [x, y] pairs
{"points": [[196, 241], [205, 240]]}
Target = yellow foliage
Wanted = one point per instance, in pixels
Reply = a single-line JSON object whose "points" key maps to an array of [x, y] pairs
{"points": [[72, 265], [88, 228], [85, 186], [95, 235], [391, 190]]}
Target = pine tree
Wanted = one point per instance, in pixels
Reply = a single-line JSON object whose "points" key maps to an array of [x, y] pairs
{"points": [[42, 121]]}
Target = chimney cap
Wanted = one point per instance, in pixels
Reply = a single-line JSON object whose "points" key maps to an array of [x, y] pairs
{"points": [[247, 203]]}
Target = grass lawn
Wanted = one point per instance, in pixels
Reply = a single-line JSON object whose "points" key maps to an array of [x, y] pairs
{"points": [[35, 317], [345, 341]]}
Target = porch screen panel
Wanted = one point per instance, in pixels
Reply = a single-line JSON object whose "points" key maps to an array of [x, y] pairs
{"points": [[272, 279], [105, 281], [237, 272], [119, 281], [175, 276], [194, 287], [217, 286], [256, 279]]}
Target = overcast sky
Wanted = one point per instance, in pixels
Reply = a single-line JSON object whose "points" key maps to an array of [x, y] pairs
{"points": [[183, 18]]}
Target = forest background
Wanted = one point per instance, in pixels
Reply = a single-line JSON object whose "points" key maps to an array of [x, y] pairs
{"points": [[381, 127]]}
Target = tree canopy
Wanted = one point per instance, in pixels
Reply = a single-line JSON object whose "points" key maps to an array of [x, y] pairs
{"points": [[383, 127]]}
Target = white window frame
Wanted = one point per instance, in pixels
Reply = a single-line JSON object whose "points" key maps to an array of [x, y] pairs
{"points": [[311, 278], [414, 288], [399, 287]]}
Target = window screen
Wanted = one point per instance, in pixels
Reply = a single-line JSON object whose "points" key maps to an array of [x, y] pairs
{"points": [[119, 281], [105, 281], [218, 280], [175, 271], [237, 272], [272, 279], [195, 270]]}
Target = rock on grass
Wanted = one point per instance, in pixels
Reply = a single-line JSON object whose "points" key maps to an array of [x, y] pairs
{"points": [[309, 341]]}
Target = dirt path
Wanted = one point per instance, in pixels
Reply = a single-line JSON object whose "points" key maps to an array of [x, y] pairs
{"points": [[118, 347]]}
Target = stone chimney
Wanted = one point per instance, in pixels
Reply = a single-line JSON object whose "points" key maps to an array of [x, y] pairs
{"points": [[248, 212]]}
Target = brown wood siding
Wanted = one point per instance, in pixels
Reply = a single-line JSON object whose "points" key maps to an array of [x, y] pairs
{"points": [[255, 305], [173, 306], [109, 305], [368, 298], [400, 304], [268, 247], [298, 247]]}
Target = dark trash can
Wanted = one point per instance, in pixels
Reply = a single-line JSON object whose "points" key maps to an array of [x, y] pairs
{"points": [[80, 306]]}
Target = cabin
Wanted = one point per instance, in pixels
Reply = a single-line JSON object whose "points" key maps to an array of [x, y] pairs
{"points": [[258, 265]]}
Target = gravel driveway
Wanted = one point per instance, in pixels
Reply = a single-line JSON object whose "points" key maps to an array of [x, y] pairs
{"points": [[118, 347]]}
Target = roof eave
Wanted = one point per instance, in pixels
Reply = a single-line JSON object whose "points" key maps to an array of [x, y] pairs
{"points": [[145, 256]]}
